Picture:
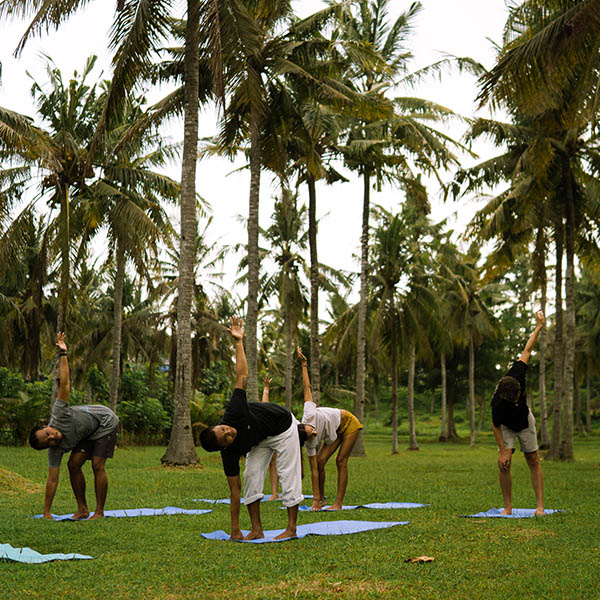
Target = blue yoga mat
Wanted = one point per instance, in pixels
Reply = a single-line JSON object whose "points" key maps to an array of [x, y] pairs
{"points": [[27, 555], [228, 501], [517, 513], [371, 505], [323, 528], [136, 512]]}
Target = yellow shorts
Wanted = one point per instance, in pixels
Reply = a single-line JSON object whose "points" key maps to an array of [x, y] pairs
{"points": [[348, 423]]}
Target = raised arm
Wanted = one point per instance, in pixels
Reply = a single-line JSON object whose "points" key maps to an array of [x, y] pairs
{"points": [[266, 383], [305, 377], [526, 354], [64, 389], [241, 366]]}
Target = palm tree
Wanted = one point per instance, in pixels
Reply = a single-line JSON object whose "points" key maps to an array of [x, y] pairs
{"points": [[288, 238]]}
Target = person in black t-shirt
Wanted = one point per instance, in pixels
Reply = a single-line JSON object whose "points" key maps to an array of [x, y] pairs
{"points": [[511, 418], [256, 430]]}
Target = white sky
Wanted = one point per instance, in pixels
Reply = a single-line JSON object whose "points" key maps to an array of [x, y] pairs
{"points": [[461, 27]]}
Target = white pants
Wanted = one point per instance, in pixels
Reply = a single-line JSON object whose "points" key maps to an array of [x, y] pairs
{"points": [[289, 468]]}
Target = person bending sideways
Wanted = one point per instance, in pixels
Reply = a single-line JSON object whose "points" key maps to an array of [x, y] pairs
{"points": [[88, 431], [256, 430], [335, 428], [511, 418]]}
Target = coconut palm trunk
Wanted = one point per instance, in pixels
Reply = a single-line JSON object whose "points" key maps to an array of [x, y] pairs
{"points": [[253, 259], [315, 348], [544, 435], [117, 326], [65, 280], [394, 366], [181, 443], [558, 350], [289, 365], [566, 444], [412, 437], [359, 447], [588, 395], [444, 434], [472, 390]]}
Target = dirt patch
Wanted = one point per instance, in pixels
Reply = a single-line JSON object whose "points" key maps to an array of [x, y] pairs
{"points": [[11, 483], [316, 588], [528, 534]]}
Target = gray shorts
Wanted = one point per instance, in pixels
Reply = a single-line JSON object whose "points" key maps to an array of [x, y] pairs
{"points": [[527, 437], [103, 447]]}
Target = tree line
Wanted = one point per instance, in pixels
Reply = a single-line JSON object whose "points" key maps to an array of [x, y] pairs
{"points": [[299, 98]]}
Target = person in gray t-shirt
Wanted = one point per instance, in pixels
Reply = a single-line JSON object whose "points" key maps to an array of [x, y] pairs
{"points": [[88, 431]]}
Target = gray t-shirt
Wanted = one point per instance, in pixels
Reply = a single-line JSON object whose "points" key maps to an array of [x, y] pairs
{"points": [[76, 423]]}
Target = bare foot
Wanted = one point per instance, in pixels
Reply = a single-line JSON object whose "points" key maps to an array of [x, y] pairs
{"points": [[539, 512], [255, 535], [274, 497], [288, 533], [97, 515], [81, 514], [334, 506], [506, 511]]}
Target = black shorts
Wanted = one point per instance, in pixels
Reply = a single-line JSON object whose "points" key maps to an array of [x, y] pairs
{"points": [[103, 447]]}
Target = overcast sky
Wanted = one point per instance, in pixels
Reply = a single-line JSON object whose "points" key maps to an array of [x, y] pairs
{"points": [[462, 28]]}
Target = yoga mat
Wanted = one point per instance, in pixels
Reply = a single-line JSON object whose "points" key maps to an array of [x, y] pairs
{"points": [[323, 528], [517, 513], [27, 555], [135, 512], [371, 505], [227, 500]]}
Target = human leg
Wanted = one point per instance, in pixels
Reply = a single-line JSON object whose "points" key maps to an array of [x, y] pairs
{"points": [[100, 485], [256, 530], [274, 478], [341, 461], [537, 480], [289, 469], [257, 462], [290, 530], [323, 456], [75, 463]]}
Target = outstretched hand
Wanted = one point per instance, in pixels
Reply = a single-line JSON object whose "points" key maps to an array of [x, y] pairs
{"points": [[236, 328], [539, 317], [300, 355], [267, 380], [60, 341]]}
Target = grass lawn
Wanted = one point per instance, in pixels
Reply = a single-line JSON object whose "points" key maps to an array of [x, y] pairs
{"points": [[165, 557]]}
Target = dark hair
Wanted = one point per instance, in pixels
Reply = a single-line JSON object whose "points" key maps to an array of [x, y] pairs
{"points": [[302, 434], [509, 389], [33, 438], [208, 440]]}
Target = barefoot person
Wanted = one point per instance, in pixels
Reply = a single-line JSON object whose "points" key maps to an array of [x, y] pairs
{"points": [[335, 428], [272, 465], [256, 430], [512, 419], [88, 431]]}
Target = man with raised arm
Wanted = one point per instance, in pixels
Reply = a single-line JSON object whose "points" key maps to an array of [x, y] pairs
{"points": [[88, 431], [335, 428], [512, 419], [256, 430]]}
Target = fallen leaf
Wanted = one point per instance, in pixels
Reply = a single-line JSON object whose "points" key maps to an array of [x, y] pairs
{"points": [[420, 559]]}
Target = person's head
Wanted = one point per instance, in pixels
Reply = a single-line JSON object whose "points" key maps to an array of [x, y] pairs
{"points": [[217, 438], [305, 432], [508, 390], [44, 436]]}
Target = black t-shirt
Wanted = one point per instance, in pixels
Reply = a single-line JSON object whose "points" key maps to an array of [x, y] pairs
{"points": [[513, 416], [254, 421]]}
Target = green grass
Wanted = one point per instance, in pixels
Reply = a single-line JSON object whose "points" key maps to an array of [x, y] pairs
{"points": [[165, 557]]}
